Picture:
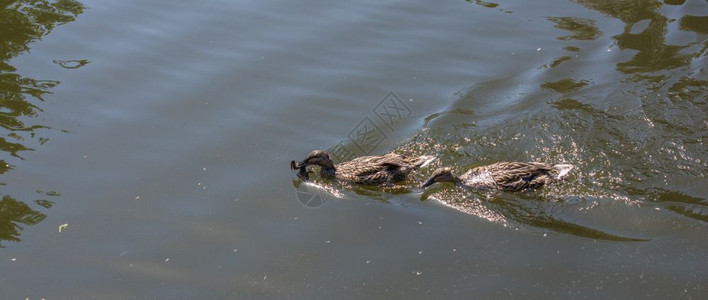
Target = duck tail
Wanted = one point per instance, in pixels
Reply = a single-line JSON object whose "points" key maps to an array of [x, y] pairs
{"points": [[424, 160], [563, 170]]}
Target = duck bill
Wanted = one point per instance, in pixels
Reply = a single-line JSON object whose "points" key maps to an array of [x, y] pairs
{"points": [[427, 183], [295, 166]]}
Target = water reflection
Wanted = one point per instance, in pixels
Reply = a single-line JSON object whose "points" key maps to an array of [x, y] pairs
{"points": [[564, 85], [653, 52], [14, 212], [24, 22], [488, 5], [582, 28], [669, 143], [694, 23]]}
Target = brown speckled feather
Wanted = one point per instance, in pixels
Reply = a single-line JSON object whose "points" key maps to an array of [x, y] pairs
{"points": [[510, 176], [375, 170]]}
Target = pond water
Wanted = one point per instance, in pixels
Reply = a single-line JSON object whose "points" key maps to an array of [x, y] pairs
{"points": [[146, 148]]}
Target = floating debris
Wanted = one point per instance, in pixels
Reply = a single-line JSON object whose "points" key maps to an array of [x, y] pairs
{"points": [[72, 63]]}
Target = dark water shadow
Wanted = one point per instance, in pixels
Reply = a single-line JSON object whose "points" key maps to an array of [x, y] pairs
{"points": [[678, 202], [561, 226], [22, 23], [518, 210]]}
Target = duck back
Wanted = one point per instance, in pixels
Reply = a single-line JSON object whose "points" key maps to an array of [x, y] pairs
{"points": [[514, 176], [380, 169]]}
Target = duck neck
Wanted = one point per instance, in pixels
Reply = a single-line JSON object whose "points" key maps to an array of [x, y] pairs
{"points": [[328, 172]]}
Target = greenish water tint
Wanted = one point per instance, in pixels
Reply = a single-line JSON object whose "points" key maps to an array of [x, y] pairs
{"points": [[21, 97], [145, 148]]}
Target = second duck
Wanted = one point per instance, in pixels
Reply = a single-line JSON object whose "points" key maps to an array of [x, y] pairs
{"points": [[504, 176]]}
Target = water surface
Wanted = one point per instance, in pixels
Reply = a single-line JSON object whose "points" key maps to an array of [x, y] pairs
{"points": [[145, 148]]}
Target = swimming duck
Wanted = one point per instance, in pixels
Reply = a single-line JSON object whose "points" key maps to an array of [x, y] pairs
{"points": [[366, 170], [504, 176]]}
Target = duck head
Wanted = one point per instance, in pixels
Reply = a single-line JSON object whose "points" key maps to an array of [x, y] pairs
{"points": [[317, 157], [441, 175]]}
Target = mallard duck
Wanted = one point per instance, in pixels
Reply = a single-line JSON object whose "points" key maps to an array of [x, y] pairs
{"points": [[366, 170], [504, 176]]}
